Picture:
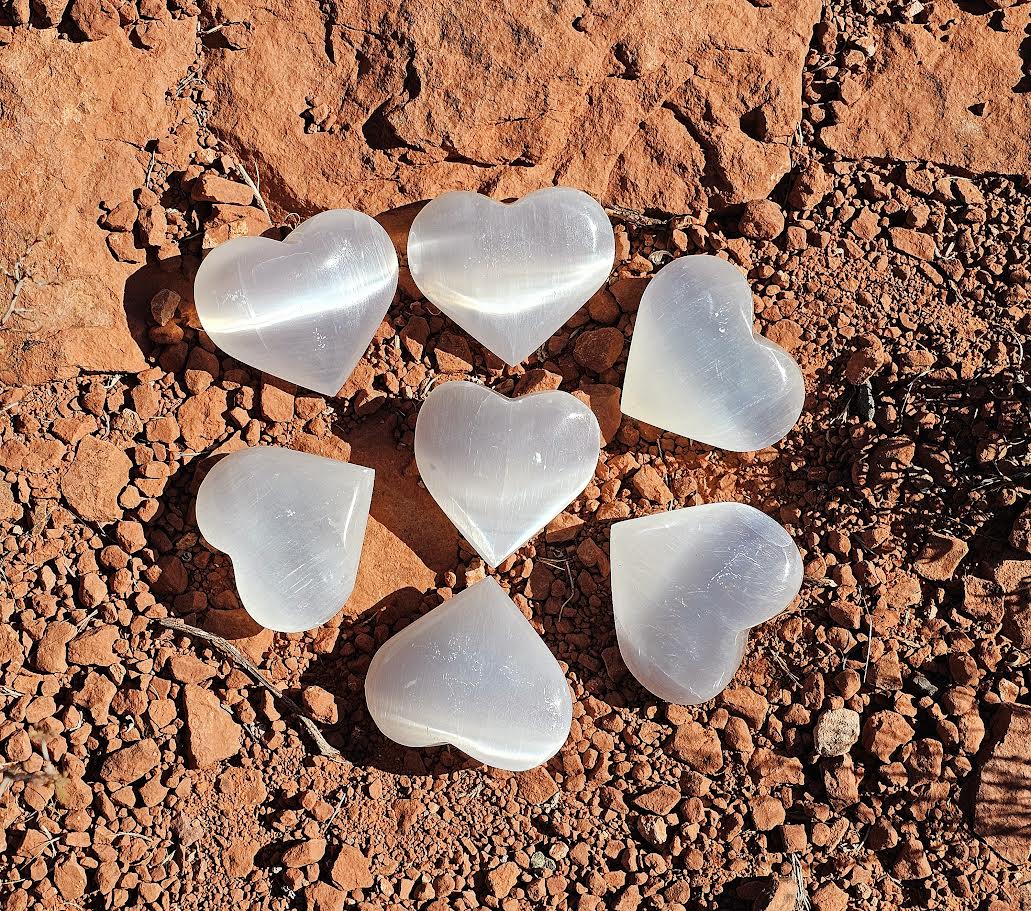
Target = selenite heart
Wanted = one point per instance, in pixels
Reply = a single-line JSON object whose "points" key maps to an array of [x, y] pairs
{"points": [[502, 468], [306, 308], [293, 524], [473, 673], [687, 586], [696, 367], [511, 275]]}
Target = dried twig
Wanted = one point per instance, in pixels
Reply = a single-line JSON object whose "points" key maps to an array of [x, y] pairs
{"points": [[255, 186], [569, 572], [636, 218], [802, 902], [233, 653]]}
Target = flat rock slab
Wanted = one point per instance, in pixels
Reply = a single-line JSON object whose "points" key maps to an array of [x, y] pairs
{"points": [[633, 105], [1002, 808], [76, 116], [964, 106]]}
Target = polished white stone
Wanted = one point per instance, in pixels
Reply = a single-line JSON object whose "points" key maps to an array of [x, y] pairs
{"points": [[696, 368], [687, 586], [306, 308], [511, 275], [502, 468], [293, 524], [472, 673]]}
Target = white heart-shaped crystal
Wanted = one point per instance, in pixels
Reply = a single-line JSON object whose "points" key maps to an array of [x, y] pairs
{"points": [[306, 308], [687, 586], [696, 367], [502, 468], [473, 673], [293, 524], [511, 275]]}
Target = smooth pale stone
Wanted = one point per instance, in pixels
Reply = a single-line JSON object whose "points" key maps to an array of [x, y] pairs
{"points": [[696, 368], [293, 524], [306, 308], [687, 586], [473, 673], [511, 275], [501, 468]]}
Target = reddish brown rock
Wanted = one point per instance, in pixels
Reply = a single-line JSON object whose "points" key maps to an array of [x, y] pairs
{"points": [[75, 318], [914, 243], [239, 858], [698, 746], [1020, 535], [660, 800], [809, 187], [94, 647], [884, 732], [767, 813], [50, 651], [598, 349], [940, 556], [453, 354], [963, 105], [209, 187], [202, 418], [322, 896], [603, 400], [502, 878], [95, 478], [649, 484], [537, 786], [211, 733], [911, 862], [761, 219], [320, 704], [717, 94], [131, 763], [350, 869], [303, 853], [70, 879], [1003, 802]]}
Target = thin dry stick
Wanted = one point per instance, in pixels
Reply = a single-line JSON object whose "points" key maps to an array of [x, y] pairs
{"points": [[232, 652], [636, 218], [254, 185]]}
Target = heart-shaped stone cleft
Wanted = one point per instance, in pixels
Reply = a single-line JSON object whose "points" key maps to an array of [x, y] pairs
{"points": [[293, 524], [696, 367], [687, 586], [306, 308], [472, 673], [502, 468], [511, 274]]}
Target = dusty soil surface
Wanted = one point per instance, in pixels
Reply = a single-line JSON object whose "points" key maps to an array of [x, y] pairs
{"points": [[866, 163]]}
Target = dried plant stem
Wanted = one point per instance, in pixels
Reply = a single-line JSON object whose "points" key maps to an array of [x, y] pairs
{"points": [[255, 188], [234, 654]]}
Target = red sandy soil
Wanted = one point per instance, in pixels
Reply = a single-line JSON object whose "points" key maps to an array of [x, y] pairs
{"points": [[866, 165]]}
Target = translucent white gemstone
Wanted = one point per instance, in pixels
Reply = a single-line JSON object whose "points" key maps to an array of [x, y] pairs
{"points": [[686, 587], [306, 308], [293, 524], [511, 275], [696, 368], [502, 468], [473, 673]]}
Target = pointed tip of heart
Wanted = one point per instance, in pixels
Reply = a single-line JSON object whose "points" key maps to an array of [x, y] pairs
{"points": [[502, 468], [472, 673]]}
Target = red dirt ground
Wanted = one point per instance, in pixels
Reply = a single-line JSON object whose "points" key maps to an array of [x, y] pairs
{"points": [[867, 164]]}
